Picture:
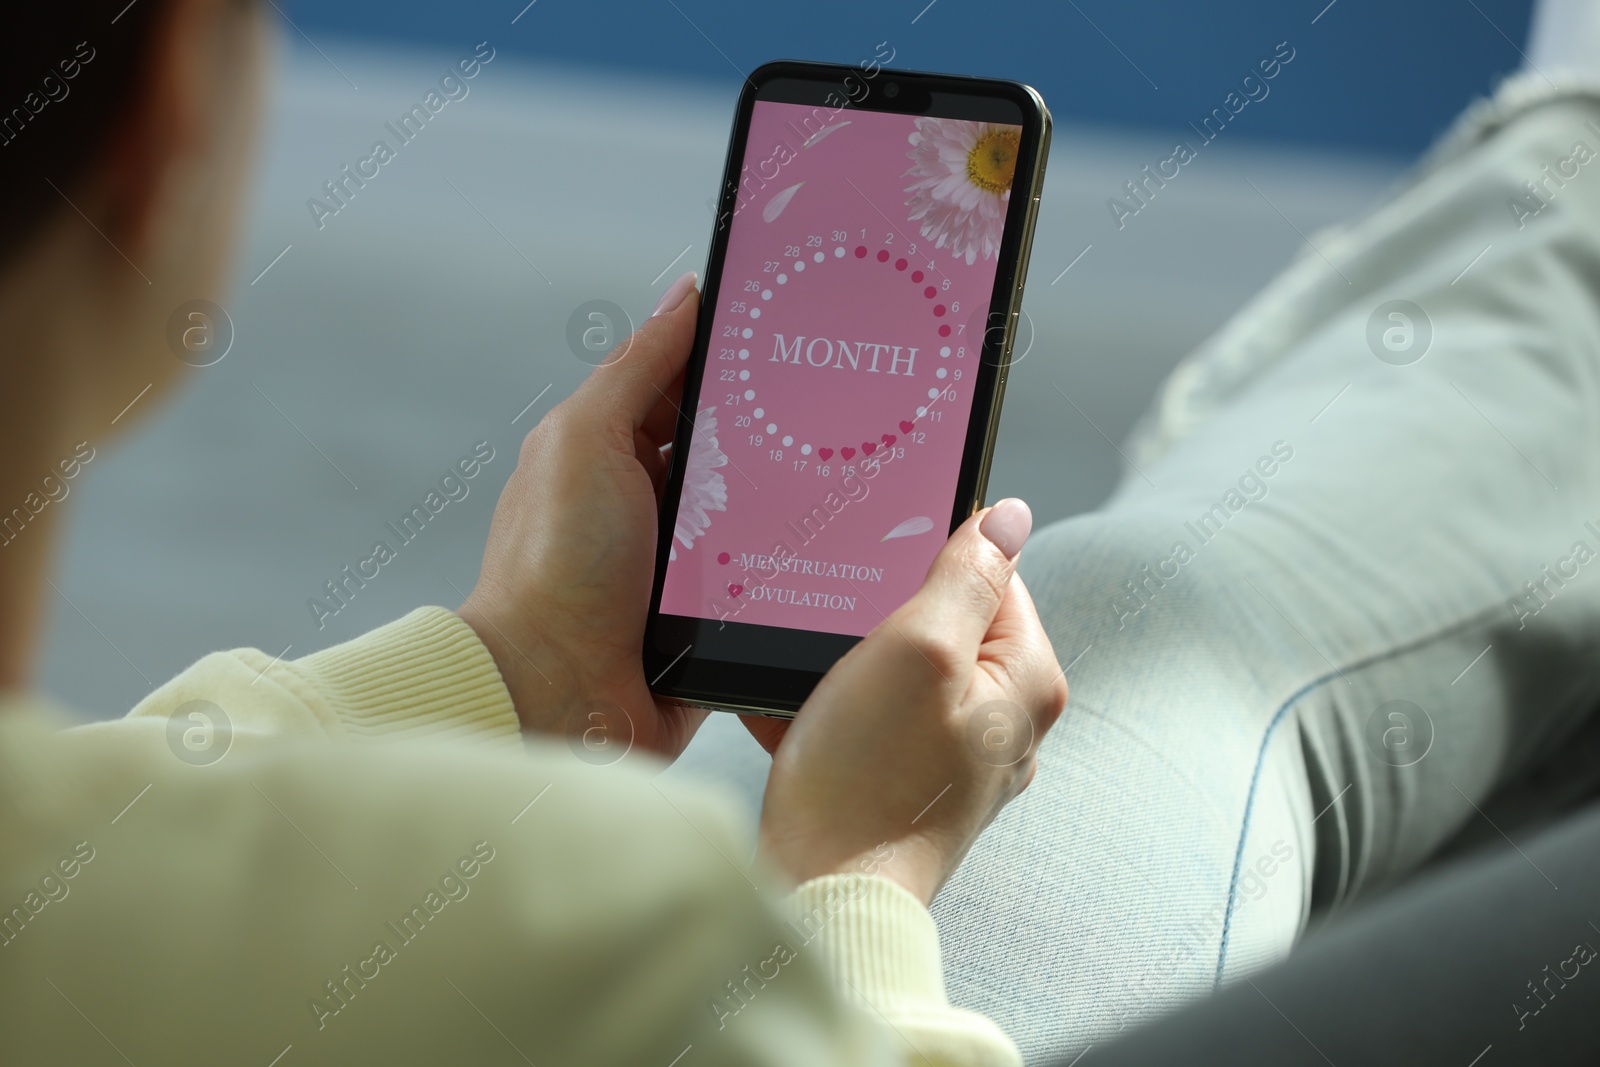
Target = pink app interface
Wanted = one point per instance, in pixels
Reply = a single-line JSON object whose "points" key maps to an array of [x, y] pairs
{"points": [[844, 347]]}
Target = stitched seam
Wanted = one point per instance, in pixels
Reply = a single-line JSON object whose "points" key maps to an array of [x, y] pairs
{"points": [[1266, 739], [1249, 805]]}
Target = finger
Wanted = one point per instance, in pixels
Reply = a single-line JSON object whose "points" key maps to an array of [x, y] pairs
{"points": [[678, 725], [1017, 651], [659, 480], [661, 422], [969, 577], [1028, 776], [636, 377], [653, 460], [768, 732]]}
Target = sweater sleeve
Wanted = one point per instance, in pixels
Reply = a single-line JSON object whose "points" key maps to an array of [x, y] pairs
{"points": [[424, 674], [547, 941], [881, 948]]}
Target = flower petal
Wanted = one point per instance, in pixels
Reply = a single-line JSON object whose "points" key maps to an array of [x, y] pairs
{"points": [[820, 134], [910, 528], [779, 201]]}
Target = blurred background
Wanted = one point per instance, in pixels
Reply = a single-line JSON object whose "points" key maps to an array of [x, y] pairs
{"points": [[372, 351]]}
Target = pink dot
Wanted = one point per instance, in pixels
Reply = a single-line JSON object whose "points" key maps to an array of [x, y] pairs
{"points": [[861, 251], [900, 264], [938, 310], [883, 255], [944, 331], [917, 276], [929, 291], [723, 557]]}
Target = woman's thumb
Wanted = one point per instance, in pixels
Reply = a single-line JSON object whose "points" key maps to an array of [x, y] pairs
{"points": [[968, 578], [638, 372]]}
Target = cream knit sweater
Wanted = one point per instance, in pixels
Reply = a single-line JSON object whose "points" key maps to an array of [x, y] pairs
{"points": [[379, 870]]}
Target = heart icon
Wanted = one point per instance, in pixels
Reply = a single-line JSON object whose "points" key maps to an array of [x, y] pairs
{"points": [[846, 452], [889, 439], [723, 557], [735, 589], [868, 448], [825, 454], [905, 427]]}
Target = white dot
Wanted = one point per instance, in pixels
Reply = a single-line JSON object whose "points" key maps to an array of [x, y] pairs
{"points": [[755, 313], [940, 373], [772, 427], [787, 441], [920, 411], [749, 394], [747, 333], [799, 265], [805, 450], [744, 375], [933, 393], [945, 350], [818, 257], [759, 412], [744, 353], [838, 253], [766, 294], [783, 279]]}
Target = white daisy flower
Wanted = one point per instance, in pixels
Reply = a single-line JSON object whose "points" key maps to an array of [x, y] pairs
{"points": [[704, 491], [963, 174]]}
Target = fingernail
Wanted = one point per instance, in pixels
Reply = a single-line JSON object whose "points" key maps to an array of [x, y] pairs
{"points": [[675, 293], [1008, 525]]}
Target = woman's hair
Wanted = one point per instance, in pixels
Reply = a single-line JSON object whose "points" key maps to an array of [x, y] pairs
{"points": [[69, 69]]}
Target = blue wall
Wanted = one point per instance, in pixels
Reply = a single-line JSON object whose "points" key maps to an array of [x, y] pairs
{"points": [[1380, 76]]}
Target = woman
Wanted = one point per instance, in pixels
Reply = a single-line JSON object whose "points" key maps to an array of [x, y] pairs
{"points": [[323, 895]]}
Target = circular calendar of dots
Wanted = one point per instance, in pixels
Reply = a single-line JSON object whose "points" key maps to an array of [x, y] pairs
{"points": [[916, 277]]}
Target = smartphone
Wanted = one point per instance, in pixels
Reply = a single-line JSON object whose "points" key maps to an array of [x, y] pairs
{"points": [[840, 406]]}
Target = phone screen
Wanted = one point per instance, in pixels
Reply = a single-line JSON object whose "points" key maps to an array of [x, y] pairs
{"points": [[846, 337]]}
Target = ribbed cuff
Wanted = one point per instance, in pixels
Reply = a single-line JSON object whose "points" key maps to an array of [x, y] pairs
{"points": [[882, 949], [424, 674], [882, 940]]}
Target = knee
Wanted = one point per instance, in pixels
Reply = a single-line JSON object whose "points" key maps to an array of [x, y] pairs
{"points": [[1152, 603], [1116, 573]]}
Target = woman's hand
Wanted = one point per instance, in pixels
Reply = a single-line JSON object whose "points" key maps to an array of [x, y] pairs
{"points": [[565, 585], [926, 729]]}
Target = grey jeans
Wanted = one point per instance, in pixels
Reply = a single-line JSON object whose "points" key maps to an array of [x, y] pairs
{"points": [[1342, 611], [1477, 963]]}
